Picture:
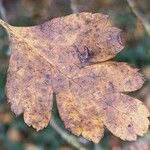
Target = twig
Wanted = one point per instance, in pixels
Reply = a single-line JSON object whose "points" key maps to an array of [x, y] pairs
{"points": [[3, 22], [74, 7], [70, 139], [3, 12], [97, 147], [143, 20]]}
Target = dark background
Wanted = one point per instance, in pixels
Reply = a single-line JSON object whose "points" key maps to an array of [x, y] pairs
{"points": [[14, 133]]}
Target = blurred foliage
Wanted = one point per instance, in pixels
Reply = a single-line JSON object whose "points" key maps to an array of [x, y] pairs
{"points": [[14, 134]]}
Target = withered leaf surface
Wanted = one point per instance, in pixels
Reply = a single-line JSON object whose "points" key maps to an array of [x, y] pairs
{"points": [[61, 56]]}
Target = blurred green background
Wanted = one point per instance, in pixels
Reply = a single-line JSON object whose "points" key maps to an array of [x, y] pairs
{"points": [[14, 133]]}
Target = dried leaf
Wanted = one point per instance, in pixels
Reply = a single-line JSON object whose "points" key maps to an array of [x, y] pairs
{"points": [[61, 56]]}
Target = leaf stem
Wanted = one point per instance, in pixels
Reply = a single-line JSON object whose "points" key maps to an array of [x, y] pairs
{"points": [[5, 25]]}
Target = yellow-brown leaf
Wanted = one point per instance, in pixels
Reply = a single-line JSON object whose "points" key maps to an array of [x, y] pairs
{"points": [[61, 56]]}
